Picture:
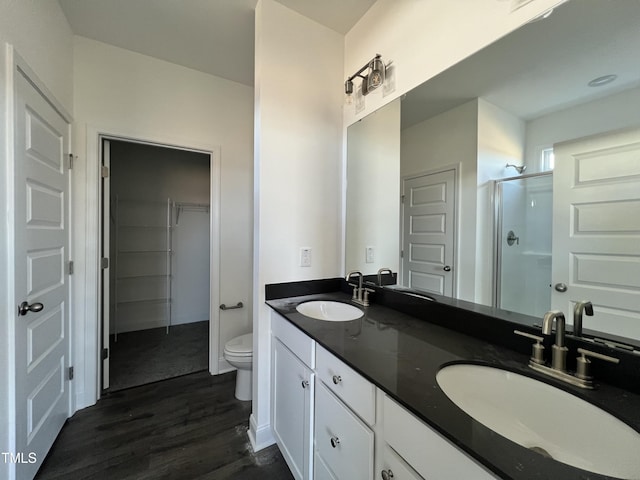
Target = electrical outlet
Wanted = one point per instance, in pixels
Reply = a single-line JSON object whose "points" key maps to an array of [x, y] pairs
{"points": [[305, 256], [370, 255]]}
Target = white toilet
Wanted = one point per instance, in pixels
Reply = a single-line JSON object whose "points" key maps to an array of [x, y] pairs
{"points": [[239, 353]]}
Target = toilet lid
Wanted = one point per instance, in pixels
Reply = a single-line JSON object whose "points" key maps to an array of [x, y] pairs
{"points": [[242, 345]]}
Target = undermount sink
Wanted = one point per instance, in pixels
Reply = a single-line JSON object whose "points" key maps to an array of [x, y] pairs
{"points": [[544, 419], [330, 311]]}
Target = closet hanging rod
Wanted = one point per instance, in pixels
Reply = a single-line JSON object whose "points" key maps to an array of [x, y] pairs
{"points": [[189, 207]]}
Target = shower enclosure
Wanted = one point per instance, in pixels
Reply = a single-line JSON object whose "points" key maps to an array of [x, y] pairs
{"points": [[523, 241]]}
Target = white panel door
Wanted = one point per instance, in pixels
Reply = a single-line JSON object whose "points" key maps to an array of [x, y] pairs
{"points": [[41, 278], [428, 232], [596, 230]]}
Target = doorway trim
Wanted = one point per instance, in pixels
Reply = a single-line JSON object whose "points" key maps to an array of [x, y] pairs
{"points": [[92, 338]]}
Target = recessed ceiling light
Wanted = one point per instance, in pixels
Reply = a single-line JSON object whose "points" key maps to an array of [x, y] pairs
{"points": [[600, 81]]}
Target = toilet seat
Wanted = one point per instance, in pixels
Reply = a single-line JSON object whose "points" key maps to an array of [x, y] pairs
{"points": [[241, 346]]}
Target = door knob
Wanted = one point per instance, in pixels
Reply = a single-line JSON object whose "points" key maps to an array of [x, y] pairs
{"points": [[447, 268], [25, 308], [560, 287]]}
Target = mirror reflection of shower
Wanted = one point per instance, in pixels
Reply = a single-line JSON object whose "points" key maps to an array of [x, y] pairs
{"points": [[519, 168], [523, 240]]}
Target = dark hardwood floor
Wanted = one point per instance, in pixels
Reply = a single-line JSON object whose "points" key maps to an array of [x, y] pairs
{"points": [[190, 427]]}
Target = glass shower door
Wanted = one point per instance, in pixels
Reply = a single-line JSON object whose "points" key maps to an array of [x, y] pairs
{"points": [[523, 239]]}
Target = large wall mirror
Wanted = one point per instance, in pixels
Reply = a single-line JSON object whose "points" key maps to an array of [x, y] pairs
{"points": [[513, 178]]}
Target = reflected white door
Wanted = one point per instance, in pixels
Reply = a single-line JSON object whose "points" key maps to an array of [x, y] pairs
{"points": [[596, 230], [428, 232], [41, 277]]}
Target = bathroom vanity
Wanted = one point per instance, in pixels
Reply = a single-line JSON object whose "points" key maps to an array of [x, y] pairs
{"points": [[359, 399]]}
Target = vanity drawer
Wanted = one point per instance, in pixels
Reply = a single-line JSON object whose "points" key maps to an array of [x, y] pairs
{"points": [[395, 467], [320, 469], [342, 440], [296, 341], [357, 392], [428, 453]]}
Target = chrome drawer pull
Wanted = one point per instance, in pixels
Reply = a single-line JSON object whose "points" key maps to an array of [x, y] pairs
{"points": [[387, 474], [337, 379], [305, 383], [335, 441]]}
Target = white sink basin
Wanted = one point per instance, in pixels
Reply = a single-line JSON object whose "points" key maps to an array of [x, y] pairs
{"points": [[331, 311], [545, 419]]}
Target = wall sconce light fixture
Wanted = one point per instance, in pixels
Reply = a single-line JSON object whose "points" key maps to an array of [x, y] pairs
{"points": [[372, 79]]}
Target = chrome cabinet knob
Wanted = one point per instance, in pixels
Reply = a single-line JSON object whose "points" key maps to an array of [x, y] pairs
{"points": [[337, 379], [560, 287], [387, 474], [446, 268], [335, 441], [305, 383], [25, 308]]}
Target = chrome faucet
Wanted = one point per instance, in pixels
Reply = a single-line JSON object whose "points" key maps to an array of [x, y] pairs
{"points": [[578, 309], [360, 294], [558, 350], [582, 377], [384, 270]]}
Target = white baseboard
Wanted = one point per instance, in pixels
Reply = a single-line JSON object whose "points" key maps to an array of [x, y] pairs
{"points": [[224, 366], [261, 437]]}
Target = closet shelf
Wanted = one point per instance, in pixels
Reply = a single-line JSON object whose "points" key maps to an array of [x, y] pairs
{"points": [[152, 301], [144, 227], [134, 277], [144, 251]]}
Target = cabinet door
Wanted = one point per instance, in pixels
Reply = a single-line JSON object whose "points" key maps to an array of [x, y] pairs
{"points": [[292, 391], [342, 440]]}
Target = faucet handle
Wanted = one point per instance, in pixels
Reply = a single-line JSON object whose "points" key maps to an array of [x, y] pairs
{"points": [[583, 363], [537, 350]]}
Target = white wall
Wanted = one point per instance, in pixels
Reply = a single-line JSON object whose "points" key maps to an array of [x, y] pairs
{"points": [[610, 113], [373, 191], [39, 32], [442, 141], [122, 92], [500, 142], [298, 152]]}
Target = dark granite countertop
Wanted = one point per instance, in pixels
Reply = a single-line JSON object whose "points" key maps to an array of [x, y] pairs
{"points": [[402, 354]]}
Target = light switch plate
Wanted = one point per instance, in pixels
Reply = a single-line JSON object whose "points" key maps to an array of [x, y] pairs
{"points": [[305, 256], [370, 255]]}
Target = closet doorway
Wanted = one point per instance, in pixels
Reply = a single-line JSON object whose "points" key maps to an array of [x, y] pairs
{"points": [[156, 246]]}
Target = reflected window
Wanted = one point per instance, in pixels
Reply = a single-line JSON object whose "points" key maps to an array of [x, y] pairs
{"points": [[547, 159]]}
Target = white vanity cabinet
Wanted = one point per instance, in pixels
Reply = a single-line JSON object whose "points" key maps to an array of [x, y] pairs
{"points": [[331, 423], [425, 450], [292, 395]]}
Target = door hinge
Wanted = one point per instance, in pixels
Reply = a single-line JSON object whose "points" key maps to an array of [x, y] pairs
{"points": [[105, 353], [71, 161], [401, 253], [401, 198], [70, 373], [104, 171], [70, 267], [104, 263]]}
